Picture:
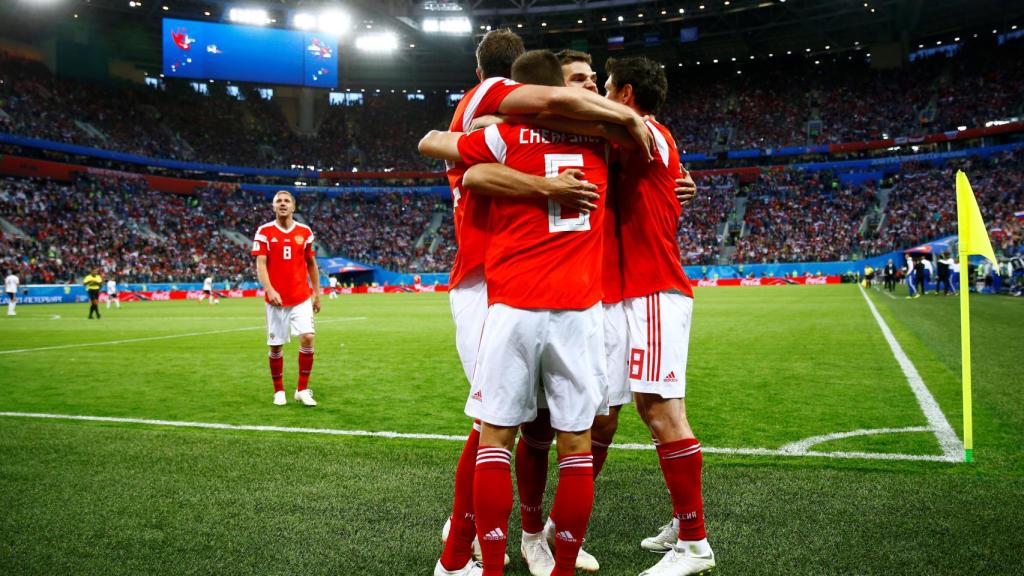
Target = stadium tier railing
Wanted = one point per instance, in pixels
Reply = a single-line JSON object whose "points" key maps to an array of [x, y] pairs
{"points": [[49, 145]]}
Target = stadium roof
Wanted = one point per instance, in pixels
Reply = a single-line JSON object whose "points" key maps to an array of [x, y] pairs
{"points": [[683, 32]]}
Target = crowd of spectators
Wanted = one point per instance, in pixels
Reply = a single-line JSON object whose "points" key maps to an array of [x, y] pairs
{"points": [[121, 227], [922, 204], [136, 234], [796, 217], [843, 101], [130, 232], [836, 101], [700, 226]]}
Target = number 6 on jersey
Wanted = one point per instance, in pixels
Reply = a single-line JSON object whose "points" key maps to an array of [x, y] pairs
{"points": [[553, 165]]}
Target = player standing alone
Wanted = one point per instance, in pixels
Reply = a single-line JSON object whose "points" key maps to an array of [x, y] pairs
{"points": [[11, 288], [93, 282], [207, 290], [287, 269], [112, 293], [333, 280]]}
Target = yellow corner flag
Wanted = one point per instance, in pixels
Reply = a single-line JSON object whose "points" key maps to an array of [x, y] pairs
{"points": [[973, 239]]}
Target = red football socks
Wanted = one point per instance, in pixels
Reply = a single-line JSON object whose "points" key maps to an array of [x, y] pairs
{"points": [[681, 463], [531, 478], [492, 500], [574, 500], [458, 547], [305, 367], [277, 370]]}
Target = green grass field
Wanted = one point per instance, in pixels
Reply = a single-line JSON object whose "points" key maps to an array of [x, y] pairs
{"points": [[769, 367]]}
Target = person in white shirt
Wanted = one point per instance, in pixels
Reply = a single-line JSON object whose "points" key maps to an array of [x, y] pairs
{"points": [[112, 293], [333, 281], [11, 283], [207, 290]]}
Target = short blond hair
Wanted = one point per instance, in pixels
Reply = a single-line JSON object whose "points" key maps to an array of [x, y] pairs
{"points": [[279, 192]]}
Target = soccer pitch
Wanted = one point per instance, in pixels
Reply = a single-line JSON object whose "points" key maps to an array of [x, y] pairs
{"points": [[824, 454]]}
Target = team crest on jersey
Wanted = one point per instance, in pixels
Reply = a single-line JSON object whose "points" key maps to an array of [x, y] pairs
{"points": [[298, 239]]}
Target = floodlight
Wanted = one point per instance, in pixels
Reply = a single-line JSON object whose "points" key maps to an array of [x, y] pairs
{"points": [[334, 21], [383, 42], [459, 25], [303, 21], [251, 16]]}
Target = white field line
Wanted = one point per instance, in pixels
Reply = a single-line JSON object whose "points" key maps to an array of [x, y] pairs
{"points": [[452, 438], [951, 445], [803, 446], [167, 337]]}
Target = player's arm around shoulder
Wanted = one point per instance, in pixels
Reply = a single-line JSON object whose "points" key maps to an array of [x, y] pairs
{"points": [[569, 188], [441, 145]]}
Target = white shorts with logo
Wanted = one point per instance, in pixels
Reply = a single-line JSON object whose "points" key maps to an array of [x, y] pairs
{"points": [[616, 349], [469, 310], [659, 339], [526, 351], [283, 322]]}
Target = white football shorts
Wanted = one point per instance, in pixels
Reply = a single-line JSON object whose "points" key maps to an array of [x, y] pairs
{"points": [[525, 351], [659, 339], [283, 322], [469, 310], [616, 349]]}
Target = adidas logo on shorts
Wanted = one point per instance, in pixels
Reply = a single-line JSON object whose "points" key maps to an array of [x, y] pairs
{"points": [[494, 535], [671, 377], [478, 396]]}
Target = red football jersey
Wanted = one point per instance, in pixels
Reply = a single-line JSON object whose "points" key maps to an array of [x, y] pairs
{"points": [[648, 220], [286, 252], [611, 267], [540, 255], [470, 209]]}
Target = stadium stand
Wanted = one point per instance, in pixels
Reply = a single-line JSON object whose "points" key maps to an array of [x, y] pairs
{"points": [[787, 216], [837, 103]]}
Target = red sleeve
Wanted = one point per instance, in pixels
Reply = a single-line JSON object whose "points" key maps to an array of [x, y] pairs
{"points": [[484, 146], [260, 244], [492, 99]]}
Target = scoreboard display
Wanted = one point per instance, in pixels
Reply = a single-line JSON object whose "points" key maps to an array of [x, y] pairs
{"points": [[205, 50]]}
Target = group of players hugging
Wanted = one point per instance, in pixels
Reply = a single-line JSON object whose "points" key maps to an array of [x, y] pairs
{"points": [[568, 296], [569, 300]]}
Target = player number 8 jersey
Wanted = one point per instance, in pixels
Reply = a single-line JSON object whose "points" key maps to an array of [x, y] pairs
{"points": [[286, 252]]}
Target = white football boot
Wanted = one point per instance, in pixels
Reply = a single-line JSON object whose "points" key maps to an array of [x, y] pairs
{"points": [[585, 561], [305, 396], [537, 554], [472, 568], [478, 555], [666, 539], [683, 560], [280, 399]]}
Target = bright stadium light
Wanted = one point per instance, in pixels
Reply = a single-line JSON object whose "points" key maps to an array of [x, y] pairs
{"points": [[460, 25], [251, 16], [381, 42], [303, 21], [334, 21]]}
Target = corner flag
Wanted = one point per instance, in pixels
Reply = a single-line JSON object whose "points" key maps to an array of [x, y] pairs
{"points": [[973, 239]]}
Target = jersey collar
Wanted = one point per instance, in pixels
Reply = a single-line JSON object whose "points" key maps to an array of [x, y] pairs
{"points": [[278, 226]]}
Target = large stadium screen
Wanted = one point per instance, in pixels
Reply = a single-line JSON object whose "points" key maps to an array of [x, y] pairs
{"points": [[249, 54]]}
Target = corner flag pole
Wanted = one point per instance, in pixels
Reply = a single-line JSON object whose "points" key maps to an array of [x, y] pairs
{"points": [[965, 347], [973, 239]]}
